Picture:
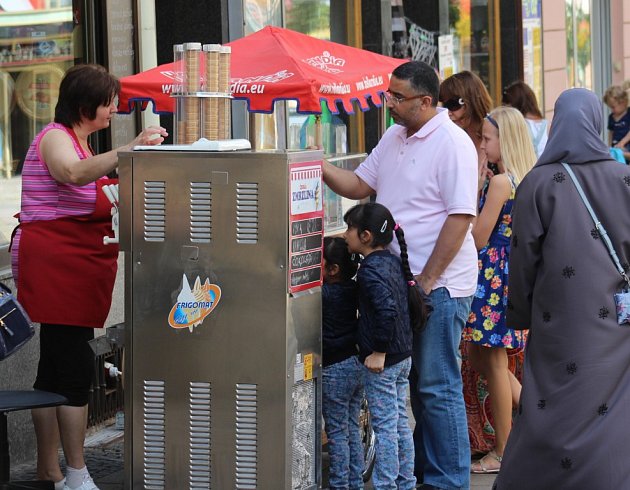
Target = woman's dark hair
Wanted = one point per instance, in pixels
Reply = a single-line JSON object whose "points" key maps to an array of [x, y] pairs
{"points": [[83, 89], [520, 96], [377, 219], [469, 87], [336, 253], [421, 77]]}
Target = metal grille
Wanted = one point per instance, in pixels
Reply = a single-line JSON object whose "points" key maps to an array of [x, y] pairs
{"points": [[154, 211], [154, 435], [107, 396], [303, 462], [200, 402], [246, 212], [200, 212], [246, 436]]}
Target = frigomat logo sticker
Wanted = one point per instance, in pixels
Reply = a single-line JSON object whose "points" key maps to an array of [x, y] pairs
{"points": [[194, 305]]}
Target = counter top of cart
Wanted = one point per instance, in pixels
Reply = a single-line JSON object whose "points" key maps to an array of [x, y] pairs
{"points": [[201, 144]]}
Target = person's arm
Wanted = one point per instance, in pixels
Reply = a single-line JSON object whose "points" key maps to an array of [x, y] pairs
{"points": [[499, 191], [65, 166], [345, 182], [623, 142], [610, 138], [449, 242]]}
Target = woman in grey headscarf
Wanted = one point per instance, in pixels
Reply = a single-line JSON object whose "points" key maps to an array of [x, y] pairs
{"points": [[572, 429]]}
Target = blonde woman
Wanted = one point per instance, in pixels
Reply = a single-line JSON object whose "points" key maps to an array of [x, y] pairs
{"points": [[506, 142]]}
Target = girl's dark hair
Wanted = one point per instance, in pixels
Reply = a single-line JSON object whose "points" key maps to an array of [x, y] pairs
{"points": [[377, 219], [83, 89], [520, 96], [336, 252]]}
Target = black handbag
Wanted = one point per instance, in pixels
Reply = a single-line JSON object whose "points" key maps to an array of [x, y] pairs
{"points": [[16, 327]]}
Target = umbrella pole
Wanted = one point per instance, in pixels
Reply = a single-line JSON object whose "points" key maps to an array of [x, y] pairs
{"points": [[318, 132], [382, 120]]}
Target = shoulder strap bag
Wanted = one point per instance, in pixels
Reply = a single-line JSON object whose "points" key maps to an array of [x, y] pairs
{"points": [[622, 298], [16, 327]]}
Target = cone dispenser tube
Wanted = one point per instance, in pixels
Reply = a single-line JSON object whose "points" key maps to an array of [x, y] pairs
{"points": [[203, 103]]}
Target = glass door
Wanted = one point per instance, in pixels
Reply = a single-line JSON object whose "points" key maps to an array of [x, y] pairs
{"points": [[475, 28], [37, 45]]}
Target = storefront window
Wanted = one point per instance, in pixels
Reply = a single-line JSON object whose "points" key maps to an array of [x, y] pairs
{"points": [[532, 47], [578, 24], [310, 17], [473, 25], [36, 48], [261, 13]]}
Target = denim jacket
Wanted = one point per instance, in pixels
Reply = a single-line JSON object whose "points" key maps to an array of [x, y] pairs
{"points": [[384, 324], [339, 321]]}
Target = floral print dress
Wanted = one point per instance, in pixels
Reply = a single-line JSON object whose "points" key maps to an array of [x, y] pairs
{"points": [[486, 321]]}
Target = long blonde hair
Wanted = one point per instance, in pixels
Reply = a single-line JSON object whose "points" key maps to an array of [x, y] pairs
{"points": [[517, 151]]}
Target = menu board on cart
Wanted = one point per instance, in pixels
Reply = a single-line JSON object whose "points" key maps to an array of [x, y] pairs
{"points": [[306, 226]]}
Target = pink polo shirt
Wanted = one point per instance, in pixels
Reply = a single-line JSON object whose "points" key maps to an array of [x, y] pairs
{"points": [[421, 180]]}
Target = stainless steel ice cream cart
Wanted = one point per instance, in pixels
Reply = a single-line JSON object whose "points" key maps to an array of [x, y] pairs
{"points": [[223, 317]]}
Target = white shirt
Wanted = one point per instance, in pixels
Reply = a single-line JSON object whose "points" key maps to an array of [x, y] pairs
{"points": [[538, 133], [422, 179]]}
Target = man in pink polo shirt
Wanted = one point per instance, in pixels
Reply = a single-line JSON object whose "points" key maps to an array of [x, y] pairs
{"points": [[424, 169]]}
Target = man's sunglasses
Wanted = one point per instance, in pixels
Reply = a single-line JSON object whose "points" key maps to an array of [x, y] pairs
{"points": [[453, 104]]}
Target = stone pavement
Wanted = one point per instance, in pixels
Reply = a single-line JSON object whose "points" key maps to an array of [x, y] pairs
{"points": [[104, 456]]}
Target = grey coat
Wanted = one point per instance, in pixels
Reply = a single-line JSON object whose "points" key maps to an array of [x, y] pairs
{"points": [[572, 430]]}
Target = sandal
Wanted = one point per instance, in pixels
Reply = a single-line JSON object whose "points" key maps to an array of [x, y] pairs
{"points": [[481, 467]]}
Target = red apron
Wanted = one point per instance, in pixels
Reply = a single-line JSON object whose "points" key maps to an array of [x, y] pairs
{"points": [[66, 274]]}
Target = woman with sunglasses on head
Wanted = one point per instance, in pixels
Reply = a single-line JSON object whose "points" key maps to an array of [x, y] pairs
{"points": [[506, 142], [467, 100]]}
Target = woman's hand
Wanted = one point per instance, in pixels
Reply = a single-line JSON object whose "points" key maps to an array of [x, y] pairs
{"points": [[153, 135], [485, 174], [375, 362]]}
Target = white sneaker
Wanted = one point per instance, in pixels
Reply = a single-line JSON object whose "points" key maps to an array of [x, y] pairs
{"points": [[86, 485]]}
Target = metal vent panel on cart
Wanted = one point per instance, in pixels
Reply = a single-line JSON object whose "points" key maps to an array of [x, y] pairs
{"points": [[154, 211], [247, 212], [200, 212], [200, 413]]}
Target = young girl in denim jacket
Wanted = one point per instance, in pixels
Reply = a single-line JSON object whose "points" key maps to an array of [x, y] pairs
{"points": [[343, 375], [390, 308]]}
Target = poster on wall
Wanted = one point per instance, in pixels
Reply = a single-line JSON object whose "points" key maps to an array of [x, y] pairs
{"points": [[532, 47], [445, 56], [306, 226], [37, 91]]}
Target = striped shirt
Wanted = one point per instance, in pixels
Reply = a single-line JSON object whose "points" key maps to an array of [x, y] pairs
{"points": [[43, 198]]}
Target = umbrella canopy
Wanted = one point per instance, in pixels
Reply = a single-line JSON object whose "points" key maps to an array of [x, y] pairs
{"points": [[280, 64]]}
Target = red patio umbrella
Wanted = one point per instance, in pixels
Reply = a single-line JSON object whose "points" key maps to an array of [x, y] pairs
{"points": [[280, 64]]}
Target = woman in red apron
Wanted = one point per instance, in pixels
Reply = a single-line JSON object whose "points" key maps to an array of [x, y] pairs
{"points": [[64, 273]]}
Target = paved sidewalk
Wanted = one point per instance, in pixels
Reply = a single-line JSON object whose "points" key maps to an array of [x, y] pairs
{"points": [[104, 454]]}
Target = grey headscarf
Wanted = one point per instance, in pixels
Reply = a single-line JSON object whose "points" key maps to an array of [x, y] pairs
{"points": [[575, 130]]}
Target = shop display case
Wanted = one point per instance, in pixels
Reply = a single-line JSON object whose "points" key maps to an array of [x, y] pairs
{"points": [[335, 206], [36, 48]]}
